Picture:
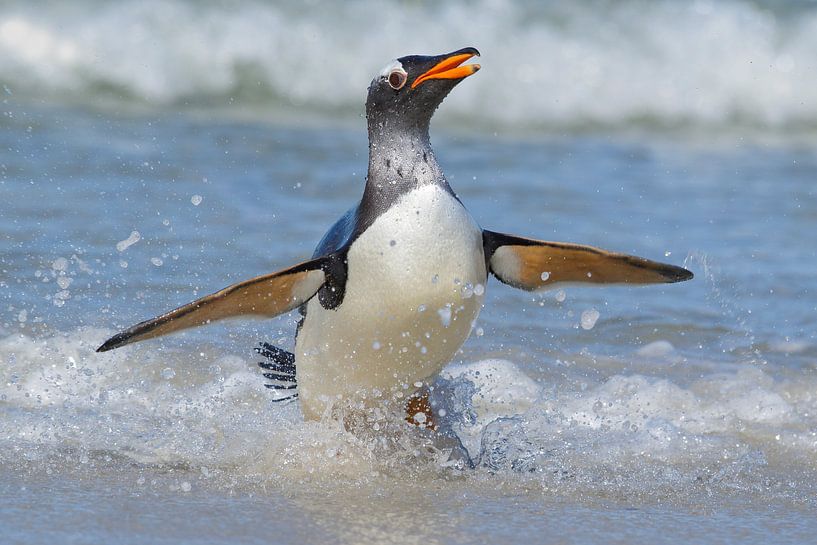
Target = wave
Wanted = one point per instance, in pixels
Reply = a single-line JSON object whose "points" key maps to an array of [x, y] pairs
{"points": [[565, 65], [65, 405]]}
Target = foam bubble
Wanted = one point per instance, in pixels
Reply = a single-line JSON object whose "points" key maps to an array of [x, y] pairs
{"points": [[60, 264]]}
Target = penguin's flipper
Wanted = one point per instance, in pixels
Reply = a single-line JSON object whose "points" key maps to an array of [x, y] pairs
{"points": [[268, 296], [531, 264]]}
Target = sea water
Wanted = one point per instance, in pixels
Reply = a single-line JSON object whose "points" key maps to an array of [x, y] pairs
{"points": [[154, 152]]}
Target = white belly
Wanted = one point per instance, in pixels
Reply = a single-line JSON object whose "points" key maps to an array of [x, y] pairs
{"points": [[416, 281]]}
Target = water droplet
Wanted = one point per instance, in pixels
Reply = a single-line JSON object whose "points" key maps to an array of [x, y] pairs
{"points": [[64, 281], [589, 318], [445, 315], [123, 245], [156, 261], [544, 276], [479, 332], [168, 373], [375, 345], [196, 200], [479, 289], [561, 296]]}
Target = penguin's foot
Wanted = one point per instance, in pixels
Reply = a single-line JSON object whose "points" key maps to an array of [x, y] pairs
{"points": [[443, 439], [419, 412], [280, 367]]}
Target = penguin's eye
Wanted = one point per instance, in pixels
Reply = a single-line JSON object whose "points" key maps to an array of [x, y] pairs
{"points": [[397, 79]]}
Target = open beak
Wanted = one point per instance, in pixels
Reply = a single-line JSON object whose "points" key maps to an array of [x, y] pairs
{"points": [[449, 67]]}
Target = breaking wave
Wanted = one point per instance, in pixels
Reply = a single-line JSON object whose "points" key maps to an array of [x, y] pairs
{"points": [[557, 65], [65, 406]]}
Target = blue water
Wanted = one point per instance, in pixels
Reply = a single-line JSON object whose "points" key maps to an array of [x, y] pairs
{"points": [[684, 408]]}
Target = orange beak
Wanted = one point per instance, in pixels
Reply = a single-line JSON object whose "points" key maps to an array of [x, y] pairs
{"points": [[449, 69]]}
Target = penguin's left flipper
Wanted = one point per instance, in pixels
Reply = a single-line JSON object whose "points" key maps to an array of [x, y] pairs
{"points": [[532, 265], [266, 296]]}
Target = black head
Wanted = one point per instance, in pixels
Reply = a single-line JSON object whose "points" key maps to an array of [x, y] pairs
{"points": [[409, 89]]}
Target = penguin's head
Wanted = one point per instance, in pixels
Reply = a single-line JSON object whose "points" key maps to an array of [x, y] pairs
{"points": [[409, 89]]}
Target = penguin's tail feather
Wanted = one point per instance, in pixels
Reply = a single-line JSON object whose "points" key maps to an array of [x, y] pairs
{"points": [[280, 368]]}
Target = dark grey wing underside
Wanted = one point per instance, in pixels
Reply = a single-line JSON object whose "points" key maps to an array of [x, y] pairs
{"points": [[531, 264]]}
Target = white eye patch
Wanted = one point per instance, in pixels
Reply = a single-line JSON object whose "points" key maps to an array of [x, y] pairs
{"points": [[391, 66]]}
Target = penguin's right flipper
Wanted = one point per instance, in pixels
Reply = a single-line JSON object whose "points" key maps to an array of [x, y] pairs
{"points": [[531, 264], [268, 296]]}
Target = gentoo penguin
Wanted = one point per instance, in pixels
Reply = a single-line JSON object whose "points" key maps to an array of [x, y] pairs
{"points": [[394, 287]]}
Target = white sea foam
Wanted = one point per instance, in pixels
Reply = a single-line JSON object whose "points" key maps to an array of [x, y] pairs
{"points": [[58, 396], [560, 65]]}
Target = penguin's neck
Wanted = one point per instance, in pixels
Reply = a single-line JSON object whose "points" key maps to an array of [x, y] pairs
{"points": [[400, 160]]}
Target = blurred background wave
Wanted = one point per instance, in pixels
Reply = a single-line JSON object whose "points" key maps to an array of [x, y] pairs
{"points": [[729, 65]]}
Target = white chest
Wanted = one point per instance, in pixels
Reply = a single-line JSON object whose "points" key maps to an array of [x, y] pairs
{"points": [[415, 284]]}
